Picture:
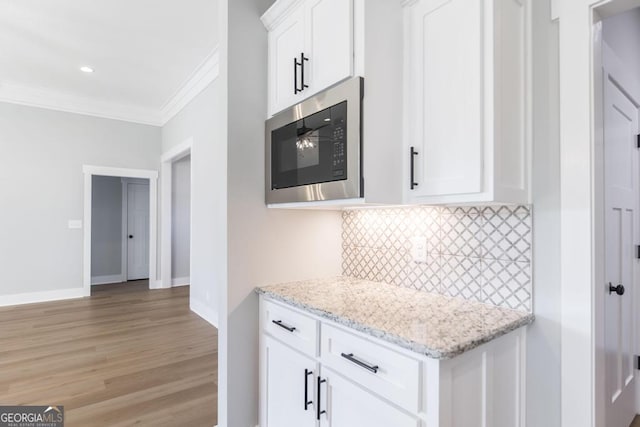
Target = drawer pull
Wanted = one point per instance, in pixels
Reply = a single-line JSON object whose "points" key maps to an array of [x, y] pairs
{"points": [[351, 358], [283, 326]]}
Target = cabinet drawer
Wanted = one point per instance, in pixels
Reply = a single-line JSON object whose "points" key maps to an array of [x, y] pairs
{"points": [[293, 328], [379, 369]]}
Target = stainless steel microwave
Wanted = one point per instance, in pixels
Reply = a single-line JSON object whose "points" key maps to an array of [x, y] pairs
{"points": [[314, 149]]}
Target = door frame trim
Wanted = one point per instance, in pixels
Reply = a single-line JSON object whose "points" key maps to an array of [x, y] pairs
{"points": [[167, 160], [91, 170], [581, 362]]}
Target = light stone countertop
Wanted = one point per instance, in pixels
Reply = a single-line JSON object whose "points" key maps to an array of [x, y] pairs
{"points": [[434, 325]]}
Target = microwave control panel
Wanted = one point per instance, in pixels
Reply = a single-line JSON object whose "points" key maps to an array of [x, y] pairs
{"points": [[339, 152]]}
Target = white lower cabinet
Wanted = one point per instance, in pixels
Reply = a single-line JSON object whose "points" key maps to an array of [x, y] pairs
{"points": [[289, 376], [348, 405], [316, 373]]}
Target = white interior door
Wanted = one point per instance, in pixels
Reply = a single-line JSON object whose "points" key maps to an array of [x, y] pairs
{"points": [[621, 198], [137, 231]]}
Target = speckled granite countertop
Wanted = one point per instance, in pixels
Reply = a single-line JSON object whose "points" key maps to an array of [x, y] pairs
{"points": [[435, 325]]}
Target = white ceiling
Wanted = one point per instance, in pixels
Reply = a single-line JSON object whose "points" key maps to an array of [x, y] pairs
{"points": [[144, 53]]}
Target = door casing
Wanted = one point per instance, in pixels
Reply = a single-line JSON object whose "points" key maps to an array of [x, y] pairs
{"points": [[151, 175]]}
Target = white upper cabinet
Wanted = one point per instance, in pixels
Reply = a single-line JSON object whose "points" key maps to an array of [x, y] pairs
{"points": [[310, 48], [467, 121], [286, 43]]}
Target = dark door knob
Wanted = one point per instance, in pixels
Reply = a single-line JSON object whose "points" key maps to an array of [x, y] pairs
{"points": [[131, 236], [617, 289]]}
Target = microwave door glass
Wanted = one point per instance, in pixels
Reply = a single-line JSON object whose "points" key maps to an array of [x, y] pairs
{"points": [[311, 150]]}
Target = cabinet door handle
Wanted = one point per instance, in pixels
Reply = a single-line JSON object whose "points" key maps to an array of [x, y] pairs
{"points": [[284, 326], [300, 64], [351, 358], [307, 402], [414, 153], [295, 76], [318, 410], [302, 61]]}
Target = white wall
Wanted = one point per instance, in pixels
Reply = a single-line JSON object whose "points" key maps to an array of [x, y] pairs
{"points": [[106, 228], [543, 339], [180, 218], [264, 245], [622, 34], [41, 179], [202, 120]]}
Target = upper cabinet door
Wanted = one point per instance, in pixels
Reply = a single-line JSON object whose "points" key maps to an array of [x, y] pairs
{"points": [[467, 101], [329, 43], [318, 34], [286, 44], [446, 80]]}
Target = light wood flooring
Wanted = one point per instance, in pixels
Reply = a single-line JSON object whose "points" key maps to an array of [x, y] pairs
{"points": [[124, 356]]}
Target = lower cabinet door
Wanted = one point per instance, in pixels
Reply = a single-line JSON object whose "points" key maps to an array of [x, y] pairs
{"points": [[289, 377], [344, 404]]}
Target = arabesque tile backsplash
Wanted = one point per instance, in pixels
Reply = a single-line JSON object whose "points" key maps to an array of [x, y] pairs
{"points": [[478, 253]]}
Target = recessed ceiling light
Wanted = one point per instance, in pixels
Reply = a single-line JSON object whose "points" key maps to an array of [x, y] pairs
{"points": [[86, 69]]}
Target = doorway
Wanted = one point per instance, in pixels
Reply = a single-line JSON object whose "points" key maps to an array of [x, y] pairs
{"points": [[122, 246], [181, 222], [119, 229], [176, 215], [617, 219]]}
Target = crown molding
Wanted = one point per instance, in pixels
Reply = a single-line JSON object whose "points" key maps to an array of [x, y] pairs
{"points": [[408, 3], [30, 96], [203, 75], [53, 100], [277, 12]]}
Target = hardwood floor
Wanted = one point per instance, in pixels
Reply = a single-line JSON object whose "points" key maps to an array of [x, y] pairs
{"points": [[636, 422], [124, 356]]}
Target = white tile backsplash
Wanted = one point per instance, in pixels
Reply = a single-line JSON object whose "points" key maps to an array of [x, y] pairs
{"points": [[478, 253]]}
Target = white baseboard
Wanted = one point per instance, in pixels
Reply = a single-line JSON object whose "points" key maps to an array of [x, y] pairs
{"points": [[203, 311], [105, 280], [155, 284], [180, 281], [44, 296]]}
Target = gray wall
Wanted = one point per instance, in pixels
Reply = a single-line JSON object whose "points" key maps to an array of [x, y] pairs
{"points": [[622, 33], [264, 245], [543, 339], [106, 226], [202, 120], [41, 179], [180, 217]]}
